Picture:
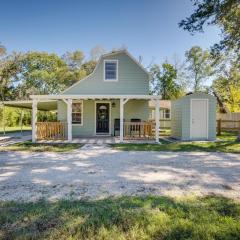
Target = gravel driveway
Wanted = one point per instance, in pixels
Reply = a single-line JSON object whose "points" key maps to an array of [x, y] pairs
{"points": [[97, 172]]}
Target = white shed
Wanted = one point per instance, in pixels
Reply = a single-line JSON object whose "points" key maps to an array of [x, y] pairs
{"points": [[194, 117]]}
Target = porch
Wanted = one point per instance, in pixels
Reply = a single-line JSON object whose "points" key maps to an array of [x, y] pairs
{"points": [[101, 116], [132, 125]]}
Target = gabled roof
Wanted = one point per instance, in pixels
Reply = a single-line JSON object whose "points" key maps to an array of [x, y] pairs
{"points": [[107, 55]]}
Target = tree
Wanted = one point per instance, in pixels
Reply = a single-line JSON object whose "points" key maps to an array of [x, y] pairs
{"points": [[222, 13], [3, 50], [227, 87], [89, 66], [43, 73], [97, 52], [199, 66], [74, 59], [164, 81], [10, 69]]}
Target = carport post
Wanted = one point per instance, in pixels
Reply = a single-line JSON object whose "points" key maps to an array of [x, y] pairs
{"points": [[157, 120], [21, 120], [4, 130], [34, 120]]}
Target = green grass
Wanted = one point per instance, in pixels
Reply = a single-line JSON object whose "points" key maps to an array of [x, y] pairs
{"points": [[132, 218], [15, 129], [228, 143], [41, 147]]}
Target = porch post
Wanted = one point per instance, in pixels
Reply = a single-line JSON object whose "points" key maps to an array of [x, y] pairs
{"points": [[121, 118], [34, 120], [157, 120], [69, 119]]}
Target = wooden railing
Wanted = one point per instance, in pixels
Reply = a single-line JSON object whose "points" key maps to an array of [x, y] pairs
{"points": [[164, 123], [51, 130], [227, 125], [138, 130]]}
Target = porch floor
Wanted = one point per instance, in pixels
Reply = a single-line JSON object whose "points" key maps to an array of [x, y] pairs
{"points": [[98, 140]]}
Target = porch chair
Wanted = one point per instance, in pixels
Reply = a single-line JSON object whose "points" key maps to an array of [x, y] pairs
{"points": [[117, 125]]}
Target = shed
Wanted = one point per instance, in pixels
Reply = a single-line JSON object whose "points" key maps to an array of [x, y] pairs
{"points": [[194, 117]]}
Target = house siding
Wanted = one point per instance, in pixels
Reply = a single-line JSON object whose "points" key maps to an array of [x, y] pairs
{"points": [[176, 119], [131, 79], [132, 109], [181, 116]]}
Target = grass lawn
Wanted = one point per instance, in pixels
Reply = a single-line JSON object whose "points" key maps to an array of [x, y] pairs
{"points": [[15, 129], [41, 147], [122, 218], [228, 143]]}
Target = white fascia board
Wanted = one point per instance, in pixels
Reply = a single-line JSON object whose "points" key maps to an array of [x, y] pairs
{"points": [[97, 96]]}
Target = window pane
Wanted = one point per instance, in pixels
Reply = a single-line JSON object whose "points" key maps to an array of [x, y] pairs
{"points": [[77, 113], [110, 70]]}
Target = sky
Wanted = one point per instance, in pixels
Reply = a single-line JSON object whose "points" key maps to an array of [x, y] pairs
{"points": [[146, 27]]}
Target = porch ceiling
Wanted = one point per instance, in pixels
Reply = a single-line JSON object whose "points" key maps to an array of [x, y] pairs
{"points": [[49, 105]]}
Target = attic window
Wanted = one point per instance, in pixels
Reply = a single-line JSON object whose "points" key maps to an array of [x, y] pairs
{"points": [[110, 70]]}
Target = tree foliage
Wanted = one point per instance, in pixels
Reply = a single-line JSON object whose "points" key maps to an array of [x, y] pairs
{"points": [[10, 68], [227, 87], [40, 73], [222, 13], [200, 66], [164, 81], [43, 73]]}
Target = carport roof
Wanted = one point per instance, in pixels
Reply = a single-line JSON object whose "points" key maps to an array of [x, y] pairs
{"points": [[49, 105]]}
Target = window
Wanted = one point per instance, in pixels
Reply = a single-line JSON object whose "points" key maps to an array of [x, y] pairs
{"points": [[164, 114], [111, 70], [167, 113], [77, 113]]}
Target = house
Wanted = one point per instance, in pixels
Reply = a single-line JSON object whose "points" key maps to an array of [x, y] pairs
{"points": [[113, 97], [114, 100], [165, 113]]}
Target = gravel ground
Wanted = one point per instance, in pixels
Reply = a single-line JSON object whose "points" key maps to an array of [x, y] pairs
{"points": [[98, 171]]}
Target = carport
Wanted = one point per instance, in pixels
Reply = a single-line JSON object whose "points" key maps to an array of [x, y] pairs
{"points": [[50, 105]]}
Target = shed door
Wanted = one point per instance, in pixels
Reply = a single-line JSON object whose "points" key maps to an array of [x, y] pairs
{"points": [[199, 119]]}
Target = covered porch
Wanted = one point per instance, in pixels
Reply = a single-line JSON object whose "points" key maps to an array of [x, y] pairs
{"points": [[63, 130], [135, 129]]}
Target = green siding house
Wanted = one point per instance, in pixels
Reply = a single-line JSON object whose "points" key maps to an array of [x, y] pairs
{"points": [[116, 92]]}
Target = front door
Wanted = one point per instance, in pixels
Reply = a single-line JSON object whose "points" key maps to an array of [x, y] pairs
{"points": [[199, 128], [102, 118]]}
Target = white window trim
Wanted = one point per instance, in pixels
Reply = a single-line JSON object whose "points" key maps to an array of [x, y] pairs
{"points": [[78, 124], [191, 105], [110, 80]]}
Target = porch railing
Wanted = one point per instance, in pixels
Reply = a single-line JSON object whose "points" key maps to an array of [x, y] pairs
{"points": [[51, 130], [133, 130]]}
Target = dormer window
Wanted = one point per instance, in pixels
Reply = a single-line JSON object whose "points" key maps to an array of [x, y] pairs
{"points": [[110, 70]]}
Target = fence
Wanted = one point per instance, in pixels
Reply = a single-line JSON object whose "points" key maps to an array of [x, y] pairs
{"points": [[229, 116], [227, 125], [228, 121], [51, 130], [164, 123]]}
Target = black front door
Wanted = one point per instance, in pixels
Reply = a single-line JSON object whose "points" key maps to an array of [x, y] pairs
{"points": [[102, 117]]}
